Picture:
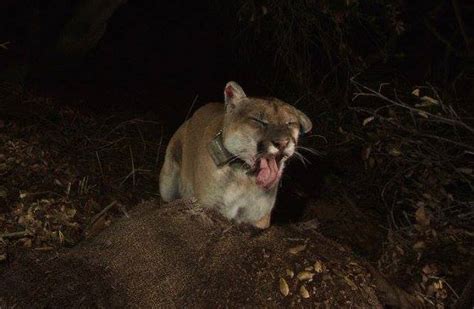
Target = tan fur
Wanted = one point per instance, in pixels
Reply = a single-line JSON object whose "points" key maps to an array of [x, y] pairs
{"points": [[189, 170]]}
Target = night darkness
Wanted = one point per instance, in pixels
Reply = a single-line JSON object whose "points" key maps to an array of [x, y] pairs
{"points": [[380, 194]]}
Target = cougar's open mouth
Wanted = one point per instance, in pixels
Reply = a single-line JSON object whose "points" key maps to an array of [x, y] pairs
{"points": [[268, 171]]}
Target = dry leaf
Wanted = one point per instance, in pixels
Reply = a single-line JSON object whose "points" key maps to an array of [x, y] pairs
{"points": [[416, 92], [318, 266], [350, 283], [419, 245], [465, 170], [27, 243], [297, 249], [429, 100], [290, 273], [305, 275], [60, 237], [422, 217], [367, 120], [427, 196], [428, 270], [284, 289], [365, 154], [438, 285], [423, 114], [70, 212], [304, 292], [395, 152]]}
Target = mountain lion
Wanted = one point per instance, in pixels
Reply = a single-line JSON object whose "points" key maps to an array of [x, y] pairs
{"points": [[231, 157]]}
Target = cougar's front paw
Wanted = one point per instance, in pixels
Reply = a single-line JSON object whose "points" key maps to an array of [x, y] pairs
{"points": [[263, 223]]}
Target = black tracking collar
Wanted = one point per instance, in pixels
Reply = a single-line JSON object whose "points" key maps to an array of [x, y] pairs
{"points": [[221, 156]]}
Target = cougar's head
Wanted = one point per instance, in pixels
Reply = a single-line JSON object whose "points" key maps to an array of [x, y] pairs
{"points": [[263, 132]]}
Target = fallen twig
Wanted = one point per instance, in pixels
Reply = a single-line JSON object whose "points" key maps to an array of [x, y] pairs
{"points": [[158, 151], [100, 163], [124, 210], [102, 212], [15, 234], [133, 165], [4, 45]]}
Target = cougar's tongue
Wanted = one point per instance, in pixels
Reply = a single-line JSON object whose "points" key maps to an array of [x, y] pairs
{"points": [[268, 173]]}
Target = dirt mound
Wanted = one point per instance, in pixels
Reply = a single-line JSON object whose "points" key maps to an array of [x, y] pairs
{"points": [[181, 255]]}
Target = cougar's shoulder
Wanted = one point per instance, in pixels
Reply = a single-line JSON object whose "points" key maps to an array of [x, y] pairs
{"points": [[205, 122]]}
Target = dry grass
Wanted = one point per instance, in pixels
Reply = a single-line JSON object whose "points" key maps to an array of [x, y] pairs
{"points": [[418, 153]]}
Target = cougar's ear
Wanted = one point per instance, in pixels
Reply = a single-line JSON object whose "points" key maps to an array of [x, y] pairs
{"points": [[233, 95], [305, 123]]}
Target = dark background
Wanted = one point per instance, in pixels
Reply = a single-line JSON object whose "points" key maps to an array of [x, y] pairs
{"points": [[157, 53], [154, 56]]}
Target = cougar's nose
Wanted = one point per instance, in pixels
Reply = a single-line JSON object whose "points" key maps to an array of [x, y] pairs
{"points": [[281, 143]]}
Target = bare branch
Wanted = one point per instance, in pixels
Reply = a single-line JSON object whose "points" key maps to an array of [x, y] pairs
{"points": [[4, 45]]}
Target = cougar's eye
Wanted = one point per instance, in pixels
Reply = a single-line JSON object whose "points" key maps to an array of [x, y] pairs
{"points": [[260, 122]]}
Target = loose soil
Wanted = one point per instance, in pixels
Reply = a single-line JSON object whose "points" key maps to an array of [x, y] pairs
{"points": [[180, 255]]}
